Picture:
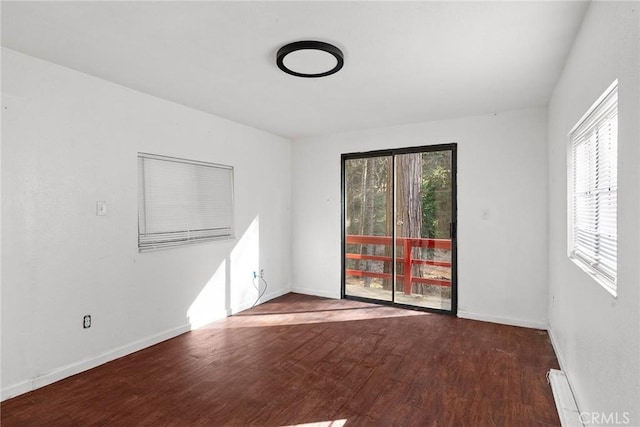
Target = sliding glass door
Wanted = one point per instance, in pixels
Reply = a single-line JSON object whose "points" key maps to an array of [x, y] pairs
{"points": [[399, 227], [368, 217]]}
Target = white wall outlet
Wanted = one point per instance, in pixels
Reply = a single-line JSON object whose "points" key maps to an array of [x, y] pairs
{"points": [[101, 208]]}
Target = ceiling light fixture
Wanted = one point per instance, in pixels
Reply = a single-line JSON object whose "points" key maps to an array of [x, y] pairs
{"points": [[310, 58]]}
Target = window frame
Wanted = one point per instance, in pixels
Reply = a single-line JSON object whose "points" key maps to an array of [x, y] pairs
{"points": [[193, 236], [589, 123]]}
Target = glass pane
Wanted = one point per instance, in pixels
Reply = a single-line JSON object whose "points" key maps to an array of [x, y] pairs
{"points": [[368, 222], [423, 219]]}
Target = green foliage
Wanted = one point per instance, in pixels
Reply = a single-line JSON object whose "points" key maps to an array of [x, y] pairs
{"points": [[429, 221], [436, 194]]}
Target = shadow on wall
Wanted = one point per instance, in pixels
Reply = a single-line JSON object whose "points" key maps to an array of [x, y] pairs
{"points": [[231, 288]]}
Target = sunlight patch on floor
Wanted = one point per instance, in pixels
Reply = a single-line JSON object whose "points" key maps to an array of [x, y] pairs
{"points": [[263, 316], [334, 423]]}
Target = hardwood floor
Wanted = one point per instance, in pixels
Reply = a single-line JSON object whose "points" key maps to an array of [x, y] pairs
{"points": [[301, 359]]}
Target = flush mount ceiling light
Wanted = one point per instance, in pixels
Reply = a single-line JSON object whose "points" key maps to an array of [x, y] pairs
{"points": [[310, 58]]}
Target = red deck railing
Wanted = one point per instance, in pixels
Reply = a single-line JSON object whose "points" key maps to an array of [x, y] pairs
{"points": [[408, 243]]}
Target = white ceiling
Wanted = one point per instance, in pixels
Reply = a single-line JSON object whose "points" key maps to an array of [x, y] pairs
{"points": [[404, 61]]}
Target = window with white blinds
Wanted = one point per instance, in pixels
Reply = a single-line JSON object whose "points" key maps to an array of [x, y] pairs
{"points": [[593, 188], [182, 201]]}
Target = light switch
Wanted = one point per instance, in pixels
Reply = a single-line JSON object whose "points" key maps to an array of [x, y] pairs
{"points": [[101, 208]]}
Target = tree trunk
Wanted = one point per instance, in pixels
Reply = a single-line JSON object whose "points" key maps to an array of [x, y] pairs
{"points": [[408, 201], [388, 250], [363, 200], [369, 217]]}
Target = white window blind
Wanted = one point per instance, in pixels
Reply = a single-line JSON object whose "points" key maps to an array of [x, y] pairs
{"points": [[182, 201], [593, 188]]}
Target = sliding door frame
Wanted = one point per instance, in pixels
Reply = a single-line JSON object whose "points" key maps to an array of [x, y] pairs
{"points": [[393, 152]]}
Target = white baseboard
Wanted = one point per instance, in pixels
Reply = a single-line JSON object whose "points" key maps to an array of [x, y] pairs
{"points": [[16, 390], [503, 320], [316, 293], [212, 317], [265, 298], [84, 365], [556, 349]]}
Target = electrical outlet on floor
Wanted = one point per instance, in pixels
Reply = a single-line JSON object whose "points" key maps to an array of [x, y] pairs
{"points": [[86, 321]]}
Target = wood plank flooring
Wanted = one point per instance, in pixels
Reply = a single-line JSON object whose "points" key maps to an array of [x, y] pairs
{"points": [[300, 359]]}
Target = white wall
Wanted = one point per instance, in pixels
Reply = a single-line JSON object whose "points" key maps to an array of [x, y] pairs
{"points": [[596, 335], [501, 167], [69, 140]]}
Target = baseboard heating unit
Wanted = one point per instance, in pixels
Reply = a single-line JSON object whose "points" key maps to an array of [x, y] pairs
{"points": [[565, 402]]}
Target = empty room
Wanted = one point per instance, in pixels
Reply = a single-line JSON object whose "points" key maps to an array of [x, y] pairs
{"points": [[320, 213]]}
